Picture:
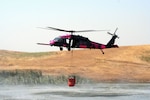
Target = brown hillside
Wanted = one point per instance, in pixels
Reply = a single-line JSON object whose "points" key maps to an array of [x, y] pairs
{"points": [[124, 64]]}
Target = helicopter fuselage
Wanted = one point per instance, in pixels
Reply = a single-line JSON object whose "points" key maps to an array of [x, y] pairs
{"points": [[77, 41]]}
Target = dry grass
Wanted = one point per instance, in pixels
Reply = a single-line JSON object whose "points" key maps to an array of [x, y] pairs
{"points": [[126, 64]]}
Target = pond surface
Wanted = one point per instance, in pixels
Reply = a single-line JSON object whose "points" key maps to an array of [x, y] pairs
{"points": [[108, 91]]}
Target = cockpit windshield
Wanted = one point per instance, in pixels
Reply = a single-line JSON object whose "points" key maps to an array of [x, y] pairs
{"points": [[57, 39]]}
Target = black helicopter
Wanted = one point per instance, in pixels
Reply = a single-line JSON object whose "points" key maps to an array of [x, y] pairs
{"points": [[77, 41]]}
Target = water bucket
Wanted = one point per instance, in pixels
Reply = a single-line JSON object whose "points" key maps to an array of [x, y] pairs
{"points": [[71, 81]]}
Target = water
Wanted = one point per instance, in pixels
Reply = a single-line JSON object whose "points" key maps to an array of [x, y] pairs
{"points": [[129, 91]]}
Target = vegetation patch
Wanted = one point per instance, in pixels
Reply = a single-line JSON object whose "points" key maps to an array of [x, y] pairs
{"points": [[16, 77], [146, 56]]}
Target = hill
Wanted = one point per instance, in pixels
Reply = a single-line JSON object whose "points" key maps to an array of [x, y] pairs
{"points": [[124, 64]]}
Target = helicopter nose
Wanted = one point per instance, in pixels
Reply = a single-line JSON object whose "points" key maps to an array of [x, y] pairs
{"points": [[52, 42]]}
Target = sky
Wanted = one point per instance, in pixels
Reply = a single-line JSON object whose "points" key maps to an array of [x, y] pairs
{"points": [[20, 19]]}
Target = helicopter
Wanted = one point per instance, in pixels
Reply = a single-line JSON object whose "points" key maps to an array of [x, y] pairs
{"points": [[76, 41]]}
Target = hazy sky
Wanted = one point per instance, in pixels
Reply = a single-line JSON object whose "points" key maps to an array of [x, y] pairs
{"points": [[19, 20]]}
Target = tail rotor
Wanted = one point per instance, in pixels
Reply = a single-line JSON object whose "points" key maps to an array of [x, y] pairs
{"points": [[114, 34]]}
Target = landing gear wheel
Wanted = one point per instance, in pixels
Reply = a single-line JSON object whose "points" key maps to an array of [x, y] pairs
{"points": [[61, 49], [69, 48]]}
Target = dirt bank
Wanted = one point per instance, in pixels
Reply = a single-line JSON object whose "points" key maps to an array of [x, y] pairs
{"points": [[124, 64]]}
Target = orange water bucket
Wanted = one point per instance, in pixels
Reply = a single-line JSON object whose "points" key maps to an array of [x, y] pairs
{"points": [[71, 81]]}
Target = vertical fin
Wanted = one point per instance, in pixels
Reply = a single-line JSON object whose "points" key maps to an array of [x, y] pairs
{"points": [[112, 40]]}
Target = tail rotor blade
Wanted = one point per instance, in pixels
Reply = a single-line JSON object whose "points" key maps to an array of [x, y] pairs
{"points": [[114, 34], [116, 30], [110, 33]]}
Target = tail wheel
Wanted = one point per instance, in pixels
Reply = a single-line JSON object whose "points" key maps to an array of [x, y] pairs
{"points": [[69, 48]]}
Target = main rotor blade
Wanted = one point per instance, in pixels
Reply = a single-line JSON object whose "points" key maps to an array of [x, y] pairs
{"points": [[90, 30], [43, 44], [57, 29], [72, 31]]}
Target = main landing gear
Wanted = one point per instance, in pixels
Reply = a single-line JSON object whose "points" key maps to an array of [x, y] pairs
{"points": [[61, 48]]}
